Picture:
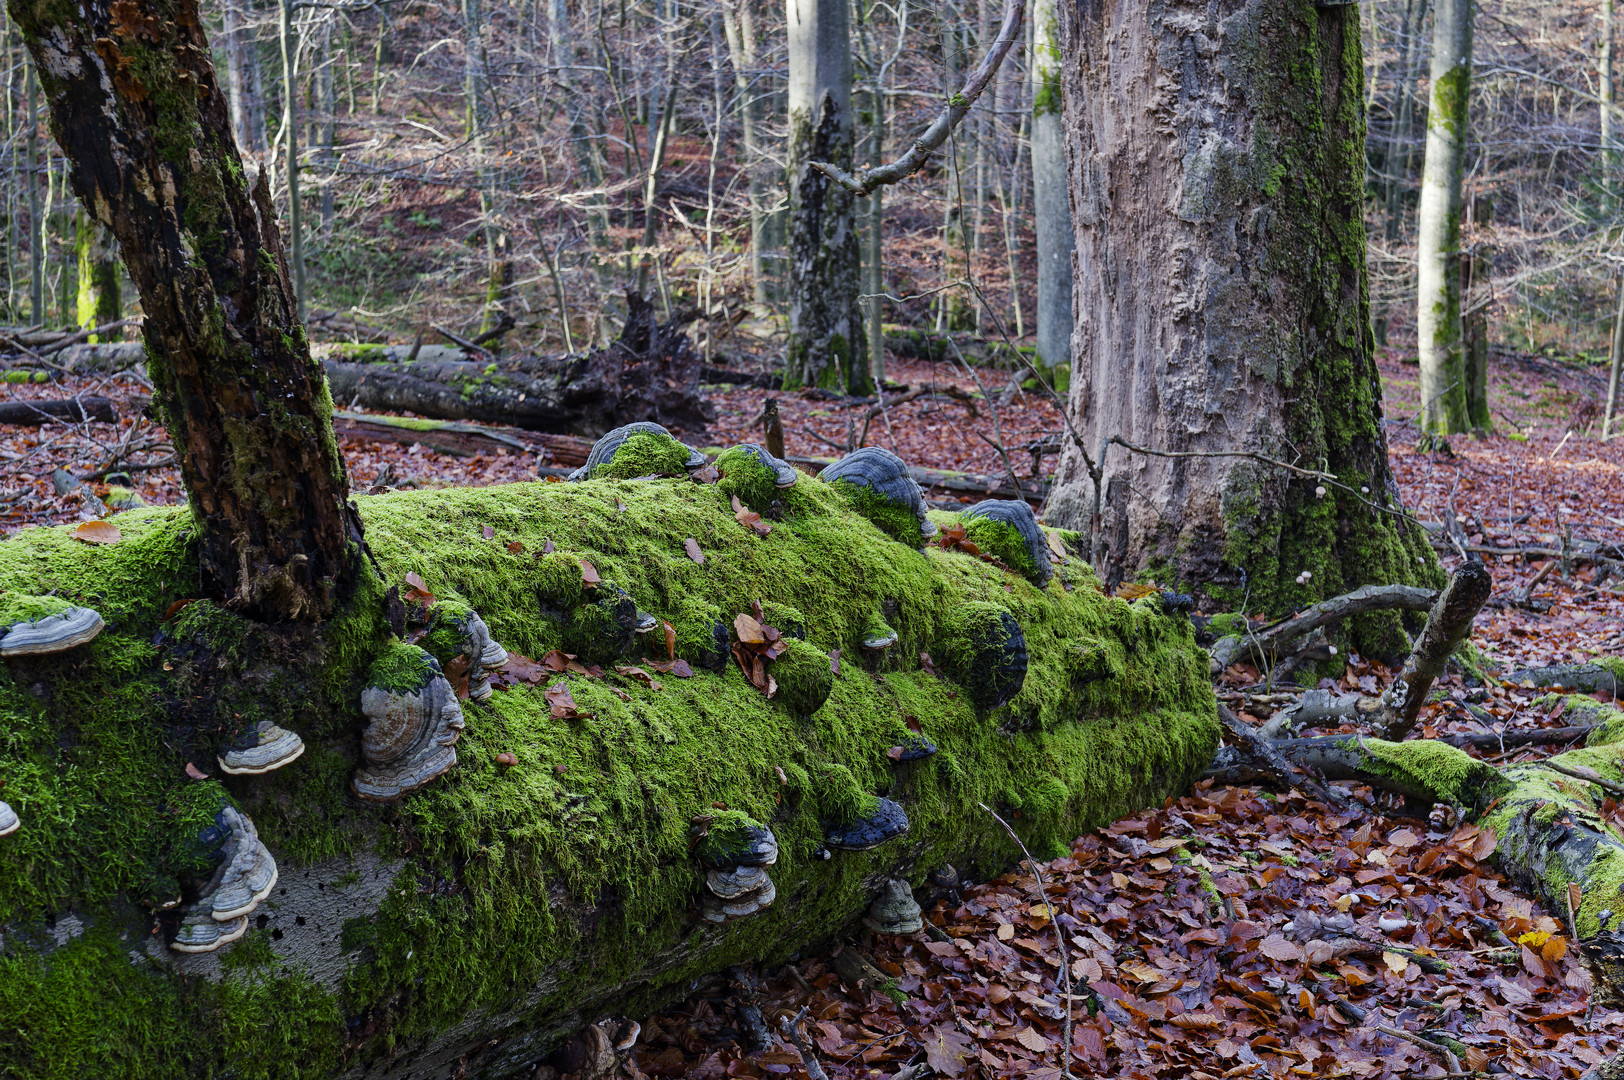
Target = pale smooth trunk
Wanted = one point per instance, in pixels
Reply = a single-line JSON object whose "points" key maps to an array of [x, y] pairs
{"points": [[1439, 332], [1051, 195]]}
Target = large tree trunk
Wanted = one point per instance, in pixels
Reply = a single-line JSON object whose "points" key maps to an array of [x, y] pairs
{"points": [[134, 104], [1217, 184], [1051, 194], [1439, 333], [827, 343], [553, 875]]}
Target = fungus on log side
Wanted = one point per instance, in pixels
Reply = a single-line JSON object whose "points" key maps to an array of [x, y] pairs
{"points": [[549, 876], [1009, 531], [880, 488]]}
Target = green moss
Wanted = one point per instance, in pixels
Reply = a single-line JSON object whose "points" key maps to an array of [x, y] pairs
{"points": [[785, 619], [744, 475], [977, 651], [402, 669], [804, 676], [1451, 775], [19, 608], [1002, 541], [570, 868], [725, 836], [647, 453], [898, 522], [447, 631]]}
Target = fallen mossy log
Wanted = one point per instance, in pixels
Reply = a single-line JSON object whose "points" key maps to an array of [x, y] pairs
{"points": [[75, 410], [556, 872]]}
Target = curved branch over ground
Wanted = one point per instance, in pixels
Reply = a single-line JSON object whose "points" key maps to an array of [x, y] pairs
{"points": [[958, 106], [1279, 637]]}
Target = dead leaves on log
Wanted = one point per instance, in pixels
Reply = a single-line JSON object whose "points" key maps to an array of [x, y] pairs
{"points": [[758, 644]]}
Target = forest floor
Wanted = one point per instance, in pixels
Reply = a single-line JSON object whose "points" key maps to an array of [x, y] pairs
{"points": [[1180, 983]]}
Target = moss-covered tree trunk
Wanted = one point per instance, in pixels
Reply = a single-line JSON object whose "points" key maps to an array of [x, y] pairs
{"points": [[1217, 170], [1440, 336], [827, 343], [98, 299], [135, 106]]}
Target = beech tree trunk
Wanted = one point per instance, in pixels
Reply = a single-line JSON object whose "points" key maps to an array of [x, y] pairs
{"points": [[243, 78], [98, 299], [827, 343], [1051, 194], [135, 106], [1217, 172], [1439, 333]]}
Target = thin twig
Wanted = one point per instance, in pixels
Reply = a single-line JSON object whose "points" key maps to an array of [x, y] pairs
{"points": [[809, 1057], [1060, 940]]}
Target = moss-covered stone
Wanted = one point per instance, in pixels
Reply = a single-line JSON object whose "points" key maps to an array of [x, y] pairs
{"points": [[532, 895]]}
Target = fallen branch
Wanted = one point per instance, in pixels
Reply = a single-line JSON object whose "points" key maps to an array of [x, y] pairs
{"points": [[74, 410], [1447, 626], [1249, 758], [1276, 638], [809, 1058], [936, 134], [1589, 678]]}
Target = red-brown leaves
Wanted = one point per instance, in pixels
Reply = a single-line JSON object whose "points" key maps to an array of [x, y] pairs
{"points": [[98, 532], [589, 575], [757, 645], [750, 519], [561, 701], [691, 546], [416, 591], [952, 538]]}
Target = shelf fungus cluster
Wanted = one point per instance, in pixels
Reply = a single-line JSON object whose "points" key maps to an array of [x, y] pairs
{"points": [[736, 854], [894, 911], [638, 450], [457, 630], [263, 748], [880, 488], [887, 821], [48, 626], [1009, 530], [413, 723], [9, 821], [244, 874]]}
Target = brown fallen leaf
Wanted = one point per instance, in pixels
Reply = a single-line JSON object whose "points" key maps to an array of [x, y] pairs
{"points": [[520, 669], [1132, 590], [98, 532], [925, 664], [456, 673], [834, 662], [750, 518], [680, 668], [589, 575], [749, 630], [670, 639], [548, 547], [562, 702], [417, 591], [1276, 947], [707, 474], [631, 671], [175, 609], [488, 533], [195, 773], [691, 546], [516, 548]]}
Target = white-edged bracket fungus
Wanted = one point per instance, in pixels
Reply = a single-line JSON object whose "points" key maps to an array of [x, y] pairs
{"points": [[263, 748], [54, 633], [887, 822], [736, 881], [9, 821], [881, 473], [485, 655], [915, 748], [1016, 514], [878, 636], [601, 461], [244, 876], [894, 911], [413, 723]]}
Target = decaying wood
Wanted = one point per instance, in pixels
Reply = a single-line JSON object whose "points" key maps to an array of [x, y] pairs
{"points": [[1248, 758], [984, 487], [1590, 678], [1447, 626], [1278, 638], [72, 410], [459, 439]]}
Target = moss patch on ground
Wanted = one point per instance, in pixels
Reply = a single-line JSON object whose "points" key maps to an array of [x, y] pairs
{"points": [[570, 879]]}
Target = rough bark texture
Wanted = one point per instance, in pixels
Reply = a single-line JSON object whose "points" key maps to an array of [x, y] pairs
{"points": [[1217, 164], [827, 343], [1051, 194], [135, 106], [1448, 624], [466, 929], [1439, 333]]}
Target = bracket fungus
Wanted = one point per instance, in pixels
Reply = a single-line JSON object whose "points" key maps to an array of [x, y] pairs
{"points": [[413, 722], [1009, 531], [879, 487], [458, 630], [887, 822], [894, 911], [9, 821], [639, 449], [244, 875], [264, 747], [913, 748], [736, 852], [755, 475], [602, 631], [986, 653], [52, 631], [878, 635]]}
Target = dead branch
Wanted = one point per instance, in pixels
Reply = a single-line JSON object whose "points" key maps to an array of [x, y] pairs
{"points": [[1278, 637], [1447, 626]]}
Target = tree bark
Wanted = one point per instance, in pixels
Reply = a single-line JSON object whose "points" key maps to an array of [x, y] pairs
{"points": [[136, 108], [827, 343], [1223, 306], [243, 79], [1051, 194], [98, 300], [1439, 333], [738, 23]]}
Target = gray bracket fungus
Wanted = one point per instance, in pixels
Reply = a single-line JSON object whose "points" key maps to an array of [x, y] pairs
{"points": [[9, 821], [784, 474], [484, 655], [604, 450], [887, 822], [894, 911], [409, 739], [736, 881], [244, 876], [916, 748], [263, 748], [885, 474], [51, 633], [1017, 514]]}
